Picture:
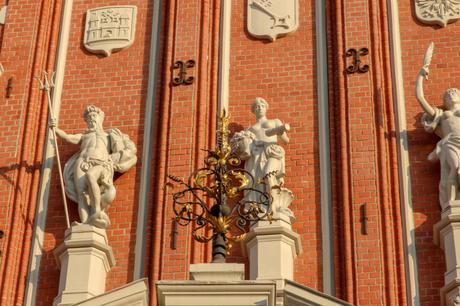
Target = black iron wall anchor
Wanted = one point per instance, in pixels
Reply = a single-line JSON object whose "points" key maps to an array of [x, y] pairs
{"points": [[2, 234], [363, 218], [174, 234], [182, 78], [356, 66], [9, 87]]}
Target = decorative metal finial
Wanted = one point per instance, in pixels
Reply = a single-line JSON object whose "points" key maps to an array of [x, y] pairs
{"points": [[215, 198]]}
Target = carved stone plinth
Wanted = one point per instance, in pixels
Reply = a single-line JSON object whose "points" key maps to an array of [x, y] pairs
{"points": [[447, 236], [272, 250], [216, 284], [272, 247], [227, 272], [204, 293], [85, 258]]}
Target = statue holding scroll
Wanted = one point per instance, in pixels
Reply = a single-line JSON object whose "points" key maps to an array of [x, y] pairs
{"points": [[446, 124], [88, 174]]}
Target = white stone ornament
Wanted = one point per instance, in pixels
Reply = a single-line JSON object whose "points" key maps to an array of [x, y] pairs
{"points": [[439, 12], [109, 29], [269, 19]]}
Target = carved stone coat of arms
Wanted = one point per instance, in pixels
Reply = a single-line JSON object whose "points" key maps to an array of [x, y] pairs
{"points": [[109, 29], [439, 12], [269, 19]]}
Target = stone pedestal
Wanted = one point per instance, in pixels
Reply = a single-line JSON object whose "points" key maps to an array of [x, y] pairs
{"points": [[216, 284], [273, 247], [272, 250], [227, 272], [85, 258], [447, 236]]}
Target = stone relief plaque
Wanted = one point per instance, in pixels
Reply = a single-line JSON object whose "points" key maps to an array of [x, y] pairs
{"points": [[269, 19], [439, 12], [109, 29]]}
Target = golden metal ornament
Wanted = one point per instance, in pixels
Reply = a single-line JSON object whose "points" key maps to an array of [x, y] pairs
{"points": [[214, 197]]}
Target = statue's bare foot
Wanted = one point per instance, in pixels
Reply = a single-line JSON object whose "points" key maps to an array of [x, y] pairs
{"points": [[100, 220]]}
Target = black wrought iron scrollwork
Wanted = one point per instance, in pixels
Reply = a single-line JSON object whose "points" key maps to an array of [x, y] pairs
{"points": [[182, 78], [214, 199], [356, 66]]}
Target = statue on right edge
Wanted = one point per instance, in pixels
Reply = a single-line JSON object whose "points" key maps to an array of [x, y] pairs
{"points": [[264, 157], [446, 124]]}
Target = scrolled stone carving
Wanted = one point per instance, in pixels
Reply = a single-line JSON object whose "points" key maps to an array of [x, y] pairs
{"points": [[88, 174], [439, 12], [264, 157]]}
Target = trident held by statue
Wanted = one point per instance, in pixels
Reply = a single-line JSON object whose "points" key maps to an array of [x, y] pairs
{"points": [[46, 85]]}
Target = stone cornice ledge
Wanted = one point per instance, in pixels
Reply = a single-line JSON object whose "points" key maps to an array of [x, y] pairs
{"points": [[132, 294], [84, 236], [209, 293], [298, 295]]}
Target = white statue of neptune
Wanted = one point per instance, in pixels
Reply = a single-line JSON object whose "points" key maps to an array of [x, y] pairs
{"points": [[88, 174]]}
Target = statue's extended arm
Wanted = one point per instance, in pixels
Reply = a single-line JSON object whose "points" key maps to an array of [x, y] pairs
{"points": [[279, 130], [71, 138], [419, 92]]}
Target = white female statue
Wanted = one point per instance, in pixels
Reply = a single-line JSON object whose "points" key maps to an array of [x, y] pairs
{"points": [[264, 157], [88, 174], [446, 124]]}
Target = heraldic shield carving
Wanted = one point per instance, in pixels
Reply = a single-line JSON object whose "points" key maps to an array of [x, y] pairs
{"points": [[269, 19], [110, 29], [439, 12]]}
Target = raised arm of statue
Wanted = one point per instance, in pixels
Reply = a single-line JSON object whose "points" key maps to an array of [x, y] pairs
{"points": [[419, 91], [423, 74]]}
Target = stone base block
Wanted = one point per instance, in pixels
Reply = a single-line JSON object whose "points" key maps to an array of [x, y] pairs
{"points": [[199, 293], [447, 235], [217, 272], [85, 258], [450, 208], [450, 293], [272, 250]]}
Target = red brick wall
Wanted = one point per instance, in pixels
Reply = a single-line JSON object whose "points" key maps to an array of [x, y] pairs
{"points": [[185, 125], [283, 73], [369, 268], [118, 85], [27, 48]]}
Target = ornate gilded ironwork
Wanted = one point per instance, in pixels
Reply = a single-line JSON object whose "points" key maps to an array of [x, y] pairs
{"points": [[214, 198]]}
